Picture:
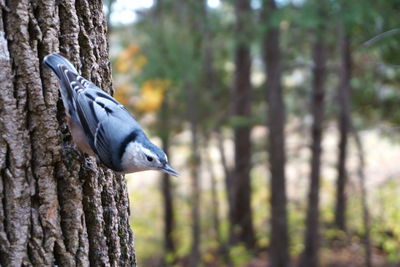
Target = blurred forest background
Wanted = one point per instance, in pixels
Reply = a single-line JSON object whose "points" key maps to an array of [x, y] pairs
{"points": [[282, 118]]}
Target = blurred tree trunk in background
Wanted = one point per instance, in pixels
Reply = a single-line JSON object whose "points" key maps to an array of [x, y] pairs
{"points": [[166, 188], [242, 223], [228, 178], [195, 17], [166, 185], [109, 4], [279, 244], [52, 211], [195, 165], [344, 127], [309, 257], [210, 83], [215, 206], [364, 198]]}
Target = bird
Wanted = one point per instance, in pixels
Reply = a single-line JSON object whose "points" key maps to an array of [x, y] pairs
{"points": [[100, 126]]}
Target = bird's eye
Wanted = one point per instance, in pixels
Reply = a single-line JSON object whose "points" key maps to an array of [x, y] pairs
{"points": [[149, 158]]}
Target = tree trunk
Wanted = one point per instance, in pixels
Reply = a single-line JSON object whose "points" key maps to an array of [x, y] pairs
{"points": [[279, 245], [194, 172], [311, 239], [169, 221], [344, 126], [166, 188], [228, 178], [109, 4], [364, 199], [209, 80], [242, 222], [196, 13], [215, 206], [52, 211]]}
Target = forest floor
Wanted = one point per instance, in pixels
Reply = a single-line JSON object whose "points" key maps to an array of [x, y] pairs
{"points": [[351, 256], [345, 257]]}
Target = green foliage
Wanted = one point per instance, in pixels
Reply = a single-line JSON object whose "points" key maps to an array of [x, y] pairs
{"points": [[239, 255], [386, 228], [148, 243], [193, 51], [296, 226], [240, 121]]}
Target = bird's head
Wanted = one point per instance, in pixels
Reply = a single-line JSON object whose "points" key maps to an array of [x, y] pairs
{"points": [[142, 155]]}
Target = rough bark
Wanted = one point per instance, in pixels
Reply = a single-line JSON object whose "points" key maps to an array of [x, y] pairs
{"points": [[242, 222], [279, 245], [311, 239], [344, 126], [52, 211]]}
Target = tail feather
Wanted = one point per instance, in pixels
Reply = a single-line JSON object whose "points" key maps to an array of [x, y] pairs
{"points": [[60, 66], [54, 60]]}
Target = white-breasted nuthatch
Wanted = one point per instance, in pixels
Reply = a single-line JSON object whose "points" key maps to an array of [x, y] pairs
{"points": [[103, 127]]}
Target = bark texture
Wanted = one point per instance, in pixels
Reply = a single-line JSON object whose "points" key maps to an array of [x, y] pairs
{"points": [[242, 222], [344, 128], [311, 239], [52, 211], [279, 245]]}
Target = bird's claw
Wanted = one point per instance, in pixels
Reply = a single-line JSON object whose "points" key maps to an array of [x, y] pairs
{"points": [[86, 162], [86, 166], [73, 148]]}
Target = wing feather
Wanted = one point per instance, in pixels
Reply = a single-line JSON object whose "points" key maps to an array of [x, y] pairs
{"points": [[106, 122]]}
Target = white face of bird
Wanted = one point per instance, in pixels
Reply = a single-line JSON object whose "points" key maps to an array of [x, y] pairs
{"points": [[139, 158]]}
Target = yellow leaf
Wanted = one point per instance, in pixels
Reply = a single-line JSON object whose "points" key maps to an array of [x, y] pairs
{"points": [[123, 94], [130, 58], [138, 62], [122, 65], [152, 95]]}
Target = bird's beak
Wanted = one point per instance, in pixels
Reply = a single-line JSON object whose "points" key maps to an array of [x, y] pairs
{"points": [[168, 169]]}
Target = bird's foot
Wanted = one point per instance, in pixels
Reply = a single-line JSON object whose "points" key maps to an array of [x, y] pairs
{"points": [[86, 163], [73, 148], [86, 166]]}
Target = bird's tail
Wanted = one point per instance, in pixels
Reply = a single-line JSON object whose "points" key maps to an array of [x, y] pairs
{"points": [[53, 61], [60, 65]]}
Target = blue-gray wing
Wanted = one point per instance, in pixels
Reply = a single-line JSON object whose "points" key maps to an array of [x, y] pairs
{"points": [[108, 125]]}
